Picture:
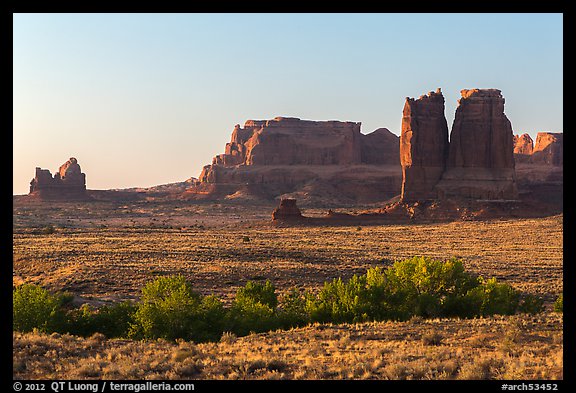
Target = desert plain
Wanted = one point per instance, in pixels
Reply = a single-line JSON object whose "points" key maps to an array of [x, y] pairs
{"points": [[105, 251]]}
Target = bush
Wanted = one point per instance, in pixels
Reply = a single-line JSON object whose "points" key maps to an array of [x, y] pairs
{"points": [[169, 309], [255, 292], [559, 304], [340, 302], [110, 320], [531, 304], [491, 298], [292, 309], [254, 309], [35, 307], [418, 286]]}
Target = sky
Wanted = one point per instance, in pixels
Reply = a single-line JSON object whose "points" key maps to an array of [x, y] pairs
{"points": [[148, 99]]}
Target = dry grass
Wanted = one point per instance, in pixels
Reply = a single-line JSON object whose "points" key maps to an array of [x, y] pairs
{"points": [[117, 262], [382, 350]]}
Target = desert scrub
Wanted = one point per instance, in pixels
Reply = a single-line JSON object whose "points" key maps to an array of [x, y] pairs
{"points": [[36, 308], [170, 309], [559, 303], [254, 309], [418, 286]]}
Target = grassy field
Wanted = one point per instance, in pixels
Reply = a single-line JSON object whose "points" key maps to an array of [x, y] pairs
{"points": [[103, 253], [516, 347]]}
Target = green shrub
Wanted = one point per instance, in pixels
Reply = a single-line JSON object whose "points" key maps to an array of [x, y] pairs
{"points": [[418, 286], [168, 309], [212, 319], [491, 298], [252, 317], [531, 304], [254, 309], [256, 292], [339, 302], [35, 307], [559, 304], [112, 320], [292, 309], [427, 287]]}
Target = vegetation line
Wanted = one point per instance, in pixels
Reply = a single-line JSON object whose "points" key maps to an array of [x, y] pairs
{"points": [[169, 308]]}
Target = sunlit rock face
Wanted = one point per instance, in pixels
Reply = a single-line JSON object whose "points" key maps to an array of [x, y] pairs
{"points": [[549, 149], [321, 160]]}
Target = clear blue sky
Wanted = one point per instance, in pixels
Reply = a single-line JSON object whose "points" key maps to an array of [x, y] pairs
{"points": [[148, 99]]}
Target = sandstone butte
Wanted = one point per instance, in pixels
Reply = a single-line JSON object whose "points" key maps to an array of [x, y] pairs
{"points": [[423, 146], [477, 162], [480, 161], [323, 159], [69, 183]]}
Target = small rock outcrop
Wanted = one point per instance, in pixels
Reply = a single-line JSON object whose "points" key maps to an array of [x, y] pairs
{"points": [[287, 210], [423, 146], [523, 144], [523, 148], [481, 151], [549, 149], [69, 183]]}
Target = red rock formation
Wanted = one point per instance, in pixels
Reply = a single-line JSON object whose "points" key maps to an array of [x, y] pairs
{"points": [[287, 210], [523, 144], [318, 159], [523, 147], [69, 183], [291, 141], [380, 147], [423, 146], [481, 153], [549, 149]]}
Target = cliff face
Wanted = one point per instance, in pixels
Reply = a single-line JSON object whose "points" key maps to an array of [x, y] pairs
{"points": [[481, 154], [481, 134], [523, 147], [69, 183], [333, 160], [549, 149], [291, 141], [423, 146], [289, 155]]}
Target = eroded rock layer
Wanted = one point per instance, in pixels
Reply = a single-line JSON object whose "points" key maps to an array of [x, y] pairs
{"points": [[320, 160]]}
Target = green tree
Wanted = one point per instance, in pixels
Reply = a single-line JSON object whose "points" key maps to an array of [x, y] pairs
{"points": [[35, 307], [169, 309]]}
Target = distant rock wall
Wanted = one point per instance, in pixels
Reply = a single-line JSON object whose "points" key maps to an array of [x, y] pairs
{"points": [[286, 155], [549, 149]]}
